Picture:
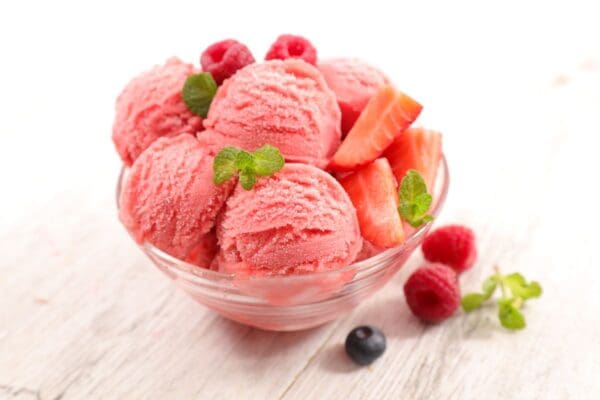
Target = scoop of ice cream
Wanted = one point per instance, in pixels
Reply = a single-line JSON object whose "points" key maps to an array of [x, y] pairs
{"points": [[353, 82], [151, 106], [286, 104], [297, 221], [169, 199]]}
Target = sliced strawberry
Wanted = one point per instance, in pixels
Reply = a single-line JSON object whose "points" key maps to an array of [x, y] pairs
{"points": [[373, 191], [416, 148], [387, 114]]}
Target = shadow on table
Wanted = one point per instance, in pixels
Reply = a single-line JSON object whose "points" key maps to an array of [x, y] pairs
{"points": [[393, 317], [334, 359], [250, 342]]}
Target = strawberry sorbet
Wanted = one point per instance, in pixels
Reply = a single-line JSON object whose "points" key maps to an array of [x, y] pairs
{"points": [[286, 104], [299, 220], [354, 82], [151, 106], [169, 199]]}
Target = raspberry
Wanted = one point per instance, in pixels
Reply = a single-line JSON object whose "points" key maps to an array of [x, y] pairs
{"points": [[453, 245], [224, 58], [432, 292], [290, 46]]}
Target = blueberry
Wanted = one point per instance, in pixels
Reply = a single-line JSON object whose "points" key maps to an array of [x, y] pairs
{"points": [[365, 344]]}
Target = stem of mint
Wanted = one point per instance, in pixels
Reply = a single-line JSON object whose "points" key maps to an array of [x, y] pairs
{"points": [[514, 292]]}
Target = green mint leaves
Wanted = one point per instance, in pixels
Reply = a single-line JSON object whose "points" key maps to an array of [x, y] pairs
{"points": [[267, 160], [473, 301], [198, 92], [515, 291], [224, 164], [520, 288], [414, 199], [230, 161], [509, 315]]}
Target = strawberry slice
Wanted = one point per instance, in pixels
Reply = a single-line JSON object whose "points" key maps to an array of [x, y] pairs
{"points": [[373, 191], [387, 114], [419, 149]]}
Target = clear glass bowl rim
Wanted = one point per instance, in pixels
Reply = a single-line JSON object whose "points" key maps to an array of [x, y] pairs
{"points": [[194, 272]]}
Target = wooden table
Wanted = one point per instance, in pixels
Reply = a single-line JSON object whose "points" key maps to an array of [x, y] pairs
{"points": [[84, 315]]}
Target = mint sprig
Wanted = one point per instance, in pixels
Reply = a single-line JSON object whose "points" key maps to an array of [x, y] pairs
{"points": [[198, 92], [515, 291], [414, 199], [230, 161]]}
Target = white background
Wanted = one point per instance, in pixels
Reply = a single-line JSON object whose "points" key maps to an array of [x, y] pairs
{"points": [[513, 85], [63, 63]]}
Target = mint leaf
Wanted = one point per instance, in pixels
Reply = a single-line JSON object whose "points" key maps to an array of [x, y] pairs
{"points": [[489, 286], [412, 186], [224, 164], [267, 160], [422, 202], [472, 301], [247, 179], [509, 315], [244, 161], [406, 209], [515, 279], [198, 92], [414, 199], [520, 288], [533, 290]]}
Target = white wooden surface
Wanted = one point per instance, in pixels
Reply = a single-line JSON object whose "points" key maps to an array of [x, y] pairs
{"points": [[83, 315]]}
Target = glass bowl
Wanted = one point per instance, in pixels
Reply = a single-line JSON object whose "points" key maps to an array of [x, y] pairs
{"points": [[289, 303]]}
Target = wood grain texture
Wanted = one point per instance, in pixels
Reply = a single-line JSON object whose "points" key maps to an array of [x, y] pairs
{"points": [[84, 315]]}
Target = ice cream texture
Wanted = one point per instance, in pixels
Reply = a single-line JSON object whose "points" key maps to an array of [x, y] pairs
{"points": [[298, 221], [169, 200], [286, 104], [354, 82], [151, 106]]}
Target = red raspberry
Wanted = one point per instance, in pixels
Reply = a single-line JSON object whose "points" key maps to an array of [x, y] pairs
{"points": [[224, 58], [290, 46], [453, 245], [432, 292]]}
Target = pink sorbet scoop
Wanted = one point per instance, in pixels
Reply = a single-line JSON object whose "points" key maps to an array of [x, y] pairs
{"points": [[297, 221], [286, 104], [168, 199], [354, 82], [151, 106]]}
